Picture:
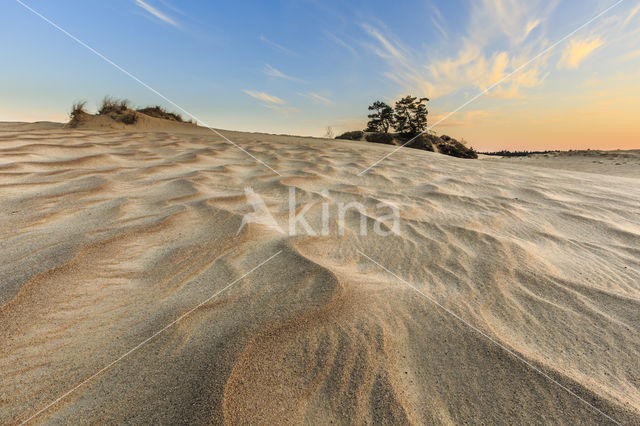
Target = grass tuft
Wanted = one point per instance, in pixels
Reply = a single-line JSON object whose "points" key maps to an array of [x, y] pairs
{"points": [[78, 112], [159, 112], [112, 105]]}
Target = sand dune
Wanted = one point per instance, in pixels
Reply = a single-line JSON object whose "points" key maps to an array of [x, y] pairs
{"points": [[109, 236]]}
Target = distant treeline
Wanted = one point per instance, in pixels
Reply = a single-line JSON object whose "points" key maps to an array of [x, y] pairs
{"points": [[505, 153]]}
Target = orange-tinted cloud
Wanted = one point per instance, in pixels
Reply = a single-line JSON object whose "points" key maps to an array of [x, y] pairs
{"points": [[577, 51], [264, 97]]}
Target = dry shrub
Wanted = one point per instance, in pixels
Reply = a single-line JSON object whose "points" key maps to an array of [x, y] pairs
{"points": [[384, 138], [159, 112], [111, 105], [456, 149], [355, 135]]}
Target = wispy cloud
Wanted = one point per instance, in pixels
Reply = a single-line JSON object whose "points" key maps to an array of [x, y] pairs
{"points": [[475, 63], [340, 42], [628, 56], [631, 15], [470, 67], [265, 97], [508, 20], [275, 45], [577, 51], [463, 119], [173, 8], [282, 109], [437, 20], [385, 46], [273, 72], [317, 98], [155, 12], [531, 25]]}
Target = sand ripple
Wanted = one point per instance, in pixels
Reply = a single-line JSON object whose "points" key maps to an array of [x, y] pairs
{"points": [[109, 236]]}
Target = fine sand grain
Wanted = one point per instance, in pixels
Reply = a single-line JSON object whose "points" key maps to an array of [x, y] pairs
{"points": [[108, 236]]}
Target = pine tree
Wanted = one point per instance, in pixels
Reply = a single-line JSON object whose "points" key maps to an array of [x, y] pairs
{"points": [[411, 116], [382, 119]]}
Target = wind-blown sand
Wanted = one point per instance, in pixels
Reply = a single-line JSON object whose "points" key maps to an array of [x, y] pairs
{"points": [[109, 236]]}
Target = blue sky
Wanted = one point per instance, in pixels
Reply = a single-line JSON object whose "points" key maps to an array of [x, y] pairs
{"points": [[297, 67]]}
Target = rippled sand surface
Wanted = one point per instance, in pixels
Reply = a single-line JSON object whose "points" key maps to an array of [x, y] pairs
{"points": [[614, 163], [525, 306]]}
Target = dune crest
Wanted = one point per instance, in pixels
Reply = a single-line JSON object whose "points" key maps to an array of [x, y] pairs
{"points": [[110, 235], [143, 122]]}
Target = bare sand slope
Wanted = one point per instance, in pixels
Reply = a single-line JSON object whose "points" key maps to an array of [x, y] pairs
{"points": [[108, 237]]}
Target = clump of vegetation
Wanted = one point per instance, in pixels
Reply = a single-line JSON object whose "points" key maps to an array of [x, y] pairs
{"points": [[78, 112], [355, 135], [118, 109], [450, 146], [111, 105], [129, 117], [384, 138], [409, 120], [159, 112], [424, 142]]}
